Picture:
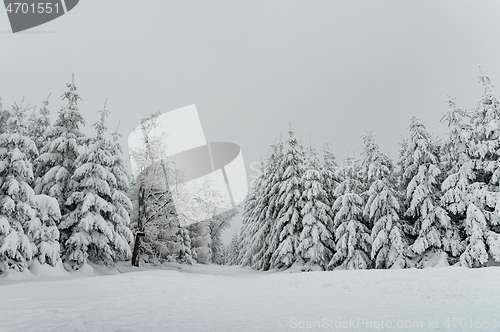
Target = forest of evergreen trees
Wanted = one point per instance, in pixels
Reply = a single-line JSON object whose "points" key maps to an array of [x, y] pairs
{"points": [[439, 204], [68, 199]]}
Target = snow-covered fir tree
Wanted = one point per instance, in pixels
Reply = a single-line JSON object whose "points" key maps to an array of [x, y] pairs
{"points": [[382, 207], [429, 221], [267, 239], [17, 198], [250, 225], [57, 161], [482, 170], [329, 168], [119, 191], [18, 118], [260, 236], [98, 226], [233, 251], [453, 151], [43, 230], [352, 235], [289, 220], [4, 115], [316, 239], [454, 187], [38, 125]]}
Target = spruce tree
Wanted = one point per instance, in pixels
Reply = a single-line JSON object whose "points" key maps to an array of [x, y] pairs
{"points": [[57, 161], [43, 230], [482, 170], [329, 169], [422, 179], [268, 237], [17, 198], [98, 226], [382, 207], [18, 118], [233, 251], [38, 125], [454, 187], [289, 198], [119, 192], [316, 239], [260, 237], [250, 224], [352, 235]]}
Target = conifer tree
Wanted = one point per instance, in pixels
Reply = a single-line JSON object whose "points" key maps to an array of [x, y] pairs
{"points": [[38, 125], [454, 187], [250, 224], [17, 198], [4, 115], [268, 236], [18, 118], [352, 236], [482, 170], [289, 221], [316, 239], [43, 230], [422, 178], [98, 226], [233, 251], [260, 235], [382, 207], [119, 191], [57, 161], [330, 169]]}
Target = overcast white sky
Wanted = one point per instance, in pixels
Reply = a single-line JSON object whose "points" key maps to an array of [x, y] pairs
{"points": [[331, 68]]}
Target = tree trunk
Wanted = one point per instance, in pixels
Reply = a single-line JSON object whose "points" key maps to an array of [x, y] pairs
{"points": [[136, 253], [137, 246]]}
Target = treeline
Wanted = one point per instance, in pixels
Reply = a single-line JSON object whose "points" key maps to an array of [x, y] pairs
{"points": [[439, 204], [68, 199]]}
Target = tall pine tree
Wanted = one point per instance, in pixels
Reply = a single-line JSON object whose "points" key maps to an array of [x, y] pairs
{"points": [[421, 178], [98, 226], [289, 221], [382, 207], [316, 239], [454, 187], [38, 125], [17, 198], [57, 161], [351, 232], [482, 170]]}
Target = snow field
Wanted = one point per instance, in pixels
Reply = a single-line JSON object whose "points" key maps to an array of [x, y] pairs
{"points": [[222, 298]]}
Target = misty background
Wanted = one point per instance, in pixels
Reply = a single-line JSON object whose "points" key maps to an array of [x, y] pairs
{"points": [[331, 68]]}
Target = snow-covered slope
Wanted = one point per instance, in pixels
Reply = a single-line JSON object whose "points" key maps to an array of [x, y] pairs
{"points": [[215, 298]]}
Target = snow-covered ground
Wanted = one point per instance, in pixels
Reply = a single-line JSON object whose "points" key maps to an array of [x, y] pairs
{"points": [[215, 298]]}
